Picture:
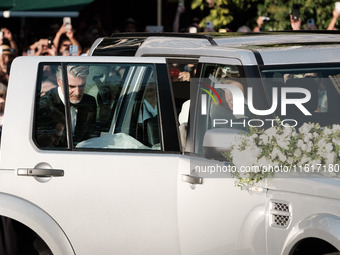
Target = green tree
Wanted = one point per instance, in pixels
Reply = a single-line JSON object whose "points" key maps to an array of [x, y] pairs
{"points": [[279, 11], [226, 12]]}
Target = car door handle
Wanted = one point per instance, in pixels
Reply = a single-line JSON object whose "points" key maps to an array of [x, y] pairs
{"points": [[192, 179], [40, 172]]}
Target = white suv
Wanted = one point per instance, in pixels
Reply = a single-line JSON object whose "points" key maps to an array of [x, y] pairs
{"points": [[142, 180]]}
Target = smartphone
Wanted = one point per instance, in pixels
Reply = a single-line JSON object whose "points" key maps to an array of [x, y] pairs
{"points": [[209, 24], [296, 12], [73, 50], [310, 22], [337, 6], [50, 43], [67, 23]]}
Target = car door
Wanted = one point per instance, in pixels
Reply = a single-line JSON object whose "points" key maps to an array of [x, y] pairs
{"points": [[215, 216], [114, 190]]}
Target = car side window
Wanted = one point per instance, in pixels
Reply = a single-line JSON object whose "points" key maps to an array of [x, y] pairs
{"points": [[215, 104], [321, 83], [109, 106], [50, 121], [181, 74]]}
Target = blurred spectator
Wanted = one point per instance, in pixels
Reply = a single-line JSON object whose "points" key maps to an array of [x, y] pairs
{"points": [[6, 58], [43, 47], [209, 27], [244, 29], [180, 10], [49, 79], [63, 39], [336, 14], [130, 26], [259, 22], [311, 25], [194, 27], [295, 24], [3, 92], [90, 30], [7, 38]]}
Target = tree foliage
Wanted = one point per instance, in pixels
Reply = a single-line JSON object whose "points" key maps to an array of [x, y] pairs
{"points": [[227, 12]]}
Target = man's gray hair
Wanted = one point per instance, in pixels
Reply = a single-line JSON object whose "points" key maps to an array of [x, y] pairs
{"points": [[74, 70]]}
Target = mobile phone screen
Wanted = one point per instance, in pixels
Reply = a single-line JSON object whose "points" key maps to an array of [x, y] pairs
{"points": [[67, 23], [73, 50]]}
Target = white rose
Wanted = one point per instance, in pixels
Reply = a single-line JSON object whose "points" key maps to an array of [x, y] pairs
{"points": [[264, 139], [270, 131], [336, 127], [305, 128], [330, 159], [327, 131], [298, 153], [283, 144], [322, 143], [336, 141], [300, 143], [329, 147]]}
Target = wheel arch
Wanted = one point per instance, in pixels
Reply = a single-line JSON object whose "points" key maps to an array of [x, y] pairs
{"points": [[37, 220], [319, 227]]}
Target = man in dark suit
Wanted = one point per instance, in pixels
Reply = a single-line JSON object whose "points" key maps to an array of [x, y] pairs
{"points": [[51, 114]]}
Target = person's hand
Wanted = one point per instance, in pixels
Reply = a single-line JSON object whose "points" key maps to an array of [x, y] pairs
{"points": [[336, 13], [184, 76], [51, 51], [43, 47], [69, 32], [62, 30], [295, 24], [38, 47], [259, 21]]}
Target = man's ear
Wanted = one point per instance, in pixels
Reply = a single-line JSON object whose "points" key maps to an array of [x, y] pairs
{"points": [[60, 83]]}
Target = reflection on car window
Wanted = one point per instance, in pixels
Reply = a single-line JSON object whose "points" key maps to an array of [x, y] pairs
{"points": [[217, 88], [181, 73], [321, 83], [111, 106]]}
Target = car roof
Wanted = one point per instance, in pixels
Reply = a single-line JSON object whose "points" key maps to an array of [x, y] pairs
{"points": [[265, 48]]}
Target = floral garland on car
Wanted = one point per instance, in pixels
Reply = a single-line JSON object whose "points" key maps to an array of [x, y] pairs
{"points": [[257, 154]]}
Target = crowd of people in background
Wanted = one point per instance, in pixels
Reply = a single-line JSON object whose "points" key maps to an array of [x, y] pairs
{"points": [[70, 41]]}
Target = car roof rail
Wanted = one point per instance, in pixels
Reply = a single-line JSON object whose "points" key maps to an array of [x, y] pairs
{"points": [[127, 44], [165, 34]]}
